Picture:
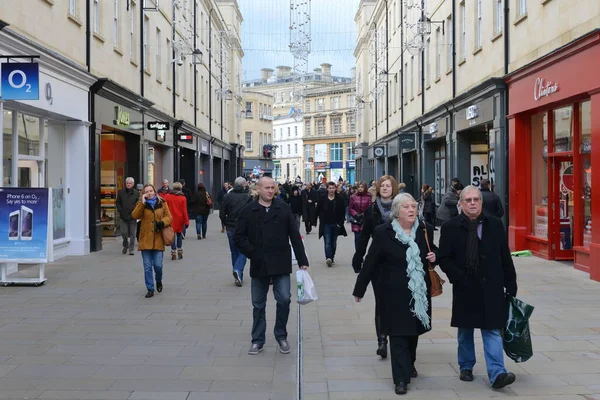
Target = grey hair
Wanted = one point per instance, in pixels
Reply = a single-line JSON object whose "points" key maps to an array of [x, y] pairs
{"points": [[398, 202], [239, 181], [129, 179], [468, 189], [177, 186]]}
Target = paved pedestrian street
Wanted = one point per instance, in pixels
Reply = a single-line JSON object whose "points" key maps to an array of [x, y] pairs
{"points": [[89, 333]]}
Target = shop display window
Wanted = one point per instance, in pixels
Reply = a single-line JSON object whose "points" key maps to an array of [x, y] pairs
{"points": [[29, 134], [440, 173], [585, 149], [539, 175], [112, 179], [563, 129], [7, 148]]}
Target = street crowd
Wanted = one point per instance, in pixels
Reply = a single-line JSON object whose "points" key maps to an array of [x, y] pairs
{"points": [[262, 220]]}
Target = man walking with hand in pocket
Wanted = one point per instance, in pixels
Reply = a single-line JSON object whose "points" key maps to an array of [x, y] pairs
{"points": [[263, 233], [475, 256]]}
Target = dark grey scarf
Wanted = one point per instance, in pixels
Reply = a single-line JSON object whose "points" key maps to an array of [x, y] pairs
{"points": [[385, 207], [472, 251]]}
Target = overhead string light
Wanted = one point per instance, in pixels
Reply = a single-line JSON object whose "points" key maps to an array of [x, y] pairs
{"points": [[300, 46]]}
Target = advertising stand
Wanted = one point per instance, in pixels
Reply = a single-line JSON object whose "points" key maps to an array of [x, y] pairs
{"points": [[25, 231]]}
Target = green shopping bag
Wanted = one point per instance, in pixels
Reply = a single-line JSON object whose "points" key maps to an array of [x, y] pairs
{"points": [[516, 335]]}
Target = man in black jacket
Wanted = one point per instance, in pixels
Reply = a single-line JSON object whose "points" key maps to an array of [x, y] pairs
{"points": [[127, 198], [475, 256], [233, 202], [492, 205], [263, 233]]}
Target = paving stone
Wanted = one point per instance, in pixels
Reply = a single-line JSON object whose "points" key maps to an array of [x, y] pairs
{"points": [[85, 395], [53, 371], [139, 372], [140, 395]]}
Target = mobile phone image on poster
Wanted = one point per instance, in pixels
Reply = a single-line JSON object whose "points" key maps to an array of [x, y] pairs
{"points": [[13, 225], [26, 223]]}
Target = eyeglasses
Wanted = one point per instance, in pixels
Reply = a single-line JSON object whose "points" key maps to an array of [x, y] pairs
{"points": [[472, 200]]}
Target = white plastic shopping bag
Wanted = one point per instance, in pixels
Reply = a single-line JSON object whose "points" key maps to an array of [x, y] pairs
{"points": [[306, 287]]}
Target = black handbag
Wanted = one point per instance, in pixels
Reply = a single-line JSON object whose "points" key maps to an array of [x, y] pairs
{"points": [[356, 219]]}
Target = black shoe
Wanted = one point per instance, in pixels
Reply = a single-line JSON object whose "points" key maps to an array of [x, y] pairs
{"points": [[401, 388], [159, 287], [124, 251], [149, 294], [237, 280], [466, 375], [414, 373], [382, 349], [503, 380]]}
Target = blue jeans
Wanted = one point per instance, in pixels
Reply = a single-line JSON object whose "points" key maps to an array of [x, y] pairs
{"points": [[330, 235], [178, 242], [238, 260], [283, 297], [356, 237], [150, 259], [201, 225], [492, 350]]}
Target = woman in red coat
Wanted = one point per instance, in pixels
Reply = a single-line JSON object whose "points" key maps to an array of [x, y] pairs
{"points": [[359, 202], [178, 207]]}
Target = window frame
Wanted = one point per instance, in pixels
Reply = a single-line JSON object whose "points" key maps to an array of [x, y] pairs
{"points": [[116, 27], [250, 141]]}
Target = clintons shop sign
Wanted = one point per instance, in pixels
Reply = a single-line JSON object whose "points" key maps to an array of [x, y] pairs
{"points": [[543, 88]]}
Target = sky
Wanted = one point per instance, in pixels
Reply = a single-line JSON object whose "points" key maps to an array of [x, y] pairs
{"points": [[266, 35]]}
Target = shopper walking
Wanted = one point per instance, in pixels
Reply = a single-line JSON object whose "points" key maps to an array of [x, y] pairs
{"points": [[377, 214], [332, 212], [475, 256], [230, 211], [127, 198], [359, 203], [155, 216], [178, 207], [263, 233], [201, 209], [398, 257], [310, 198]]}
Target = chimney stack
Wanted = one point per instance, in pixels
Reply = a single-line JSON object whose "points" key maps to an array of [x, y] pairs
{"points": [[326, 69], [283, 71], [317, 71], [266, 73]]}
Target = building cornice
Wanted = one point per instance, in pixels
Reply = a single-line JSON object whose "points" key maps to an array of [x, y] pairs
{"points": [[120, 94], [50, 61]]}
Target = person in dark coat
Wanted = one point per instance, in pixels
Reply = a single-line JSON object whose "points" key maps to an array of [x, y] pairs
{"points": [[127, 198], [492, 205], [399, 257], [296, 205], [201, 210], [310, 199], [377, 214], [448, 208], [222, 192], [332, 213], [475, 256], [263, 233], [233, 203], [427, 204]]}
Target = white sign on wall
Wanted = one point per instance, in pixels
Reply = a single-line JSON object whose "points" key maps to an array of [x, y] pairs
{"points": [[321, 152], [479, 168]]}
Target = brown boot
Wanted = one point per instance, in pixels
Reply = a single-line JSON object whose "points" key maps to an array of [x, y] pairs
{"points": [[173, 255], [180, 254]]}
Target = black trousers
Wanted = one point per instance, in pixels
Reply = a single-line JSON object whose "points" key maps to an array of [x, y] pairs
{"points": [[403, 351], [307, 226]]}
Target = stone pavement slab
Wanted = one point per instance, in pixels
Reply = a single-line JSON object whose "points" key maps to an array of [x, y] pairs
{"points": [[89, 333]]}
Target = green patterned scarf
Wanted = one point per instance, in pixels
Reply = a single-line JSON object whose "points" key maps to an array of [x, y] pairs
{"points": [[415, 272]]}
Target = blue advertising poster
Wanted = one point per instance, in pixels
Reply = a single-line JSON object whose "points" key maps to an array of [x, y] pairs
{"points": [[20, 81], [24, 225]]}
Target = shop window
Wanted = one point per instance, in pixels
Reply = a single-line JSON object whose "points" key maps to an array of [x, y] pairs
{"points": [[440, 173], [55, 162], [539, 175], [585, 149], [7, 148], [29, 134], [563, 129]]}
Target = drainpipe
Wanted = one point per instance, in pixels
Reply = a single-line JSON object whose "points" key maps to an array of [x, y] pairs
{"points": [[195, 71], [210, 72], [142, 55], [387, 70], [401, 65], [88, 36], [174, 63], [454, 48], [221, 87], [376, 83], [506, 38]]}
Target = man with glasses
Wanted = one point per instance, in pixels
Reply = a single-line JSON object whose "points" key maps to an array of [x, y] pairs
{"points": [[475, 256]]}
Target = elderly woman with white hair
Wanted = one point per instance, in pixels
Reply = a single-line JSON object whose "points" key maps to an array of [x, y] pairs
{"points": [[399, 256]]}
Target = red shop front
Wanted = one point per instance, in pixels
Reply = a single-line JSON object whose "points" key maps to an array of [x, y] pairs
{"points": [[554, 144]]}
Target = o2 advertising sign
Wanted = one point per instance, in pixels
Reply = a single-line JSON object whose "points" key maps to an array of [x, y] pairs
{"points": [[20, 81]]}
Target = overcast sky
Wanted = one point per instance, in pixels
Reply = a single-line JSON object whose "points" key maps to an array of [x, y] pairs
{"points": [[266, 35]]}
